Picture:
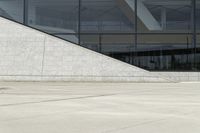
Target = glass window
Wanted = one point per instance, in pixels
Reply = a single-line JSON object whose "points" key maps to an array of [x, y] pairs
{"points": [[69, 37], [12, 9], [164, 16], [198, 41], [54, 16], [164, 52], [197, 58], [108, 16], [118, 46], [91, 42], [198, 15]]}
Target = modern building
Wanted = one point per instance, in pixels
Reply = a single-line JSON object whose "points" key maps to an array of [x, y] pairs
{"points": [[154, 35]]}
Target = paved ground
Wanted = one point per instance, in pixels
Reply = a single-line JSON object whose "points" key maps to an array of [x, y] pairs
{"points": [[99, 108]]}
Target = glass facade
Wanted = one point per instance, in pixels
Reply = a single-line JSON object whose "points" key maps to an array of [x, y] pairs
{"points": [[157, 35], [166, 16]]}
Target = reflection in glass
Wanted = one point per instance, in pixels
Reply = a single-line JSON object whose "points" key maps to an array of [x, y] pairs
{"points": [[164, 15], [54, 17], [164, 52], [105, 16], [198, 15], [12, 9]]}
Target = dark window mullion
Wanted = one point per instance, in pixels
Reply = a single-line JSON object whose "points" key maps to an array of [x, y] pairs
{"points": [[79, 22], [25, 12]]}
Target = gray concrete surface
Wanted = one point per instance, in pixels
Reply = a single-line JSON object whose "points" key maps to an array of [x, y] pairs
{"points": [[29, 55], [99, 107], [180, 76]]}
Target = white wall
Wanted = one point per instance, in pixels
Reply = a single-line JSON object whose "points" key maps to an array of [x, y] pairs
{"points": [[27, 54]]}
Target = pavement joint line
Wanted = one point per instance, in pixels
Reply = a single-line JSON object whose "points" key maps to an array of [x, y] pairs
{"points": [[135, 125], [56, 100], [143, 123]]}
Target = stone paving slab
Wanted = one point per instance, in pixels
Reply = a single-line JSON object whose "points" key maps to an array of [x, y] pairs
{"points": [[59, 107]]}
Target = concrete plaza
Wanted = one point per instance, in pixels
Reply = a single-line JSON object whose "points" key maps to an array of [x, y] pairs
{"points": [[47, 107]]}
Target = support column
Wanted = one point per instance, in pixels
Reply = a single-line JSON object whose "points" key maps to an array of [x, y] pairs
{"points": [[163, 18]]}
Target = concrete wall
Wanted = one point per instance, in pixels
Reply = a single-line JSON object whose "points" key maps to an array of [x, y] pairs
{"points": [[29, 55]]}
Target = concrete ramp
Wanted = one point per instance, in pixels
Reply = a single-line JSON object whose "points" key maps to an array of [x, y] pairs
{"points": [[30, 55]]}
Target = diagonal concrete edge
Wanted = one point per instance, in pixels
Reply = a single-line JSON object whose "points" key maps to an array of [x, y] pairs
{"points": [[30, 55]]}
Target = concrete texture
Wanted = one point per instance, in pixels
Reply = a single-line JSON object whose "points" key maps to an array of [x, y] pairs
{"points": [[29, 55], [99, 107], [180, 76]]}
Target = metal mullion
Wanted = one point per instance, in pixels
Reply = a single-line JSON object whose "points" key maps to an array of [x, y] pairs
{"points": [[79, 22], [136, 31], [25, 12], [194, 29]]}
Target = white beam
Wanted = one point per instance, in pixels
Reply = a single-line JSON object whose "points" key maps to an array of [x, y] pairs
{"points": [[144, 15]]}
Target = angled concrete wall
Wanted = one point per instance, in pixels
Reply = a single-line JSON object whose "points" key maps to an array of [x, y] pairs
{"points": [[29, 55]]}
